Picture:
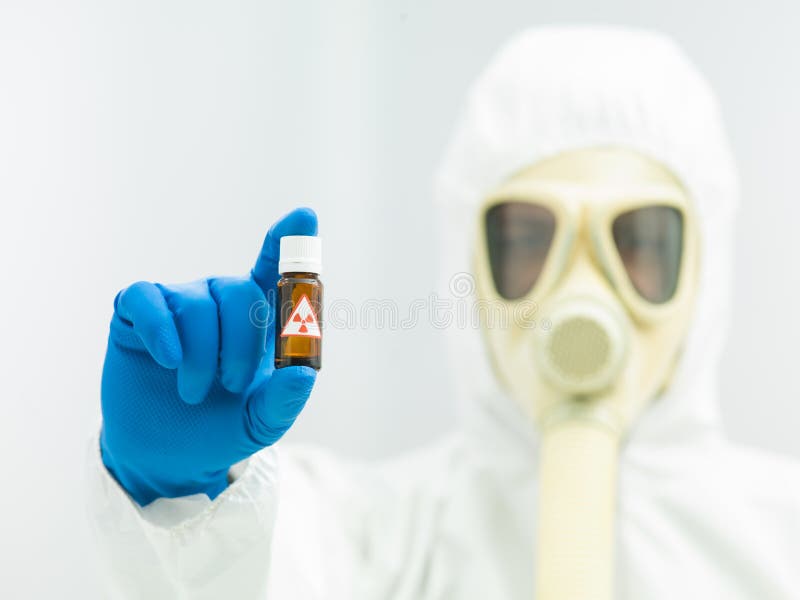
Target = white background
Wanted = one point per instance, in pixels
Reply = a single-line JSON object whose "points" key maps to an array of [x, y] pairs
{"points": [[158, 140]]}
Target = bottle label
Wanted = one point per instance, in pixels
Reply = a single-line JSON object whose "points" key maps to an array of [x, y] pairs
{"points": [[303, 321]]}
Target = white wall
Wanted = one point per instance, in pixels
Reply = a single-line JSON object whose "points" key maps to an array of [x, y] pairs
{"points": [[158, 140]]}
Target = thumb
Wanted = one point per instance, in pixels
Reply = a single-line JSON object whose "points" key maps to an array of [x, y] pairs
{"points": [[275, 404]]}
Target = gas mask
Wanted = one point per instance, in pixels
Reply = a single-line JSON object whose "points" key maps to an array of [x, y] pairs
{"points": [[592, 258]]}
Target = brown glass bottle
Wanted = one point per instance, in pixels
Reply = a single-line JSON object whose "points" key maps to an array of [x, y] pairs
{"points": [[298, 303], [298, 338]]}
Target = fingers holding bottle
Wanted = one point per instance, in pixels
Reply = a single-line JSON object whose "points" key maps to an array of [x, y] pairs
{"points": [[300, 221]]}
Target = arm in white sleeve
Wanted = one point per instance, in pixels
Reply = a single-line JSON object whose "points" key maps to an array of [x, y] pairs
{"points": [[187, 547], [339, 530]]}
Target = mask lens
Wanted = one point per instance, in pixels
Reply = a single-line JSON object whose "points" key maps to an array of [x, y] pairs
{"points": [[519, 235], [650, 242]]}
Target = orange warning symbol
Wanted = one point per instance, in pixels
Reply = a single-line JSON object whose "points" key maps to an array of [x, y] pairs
{"points": [[302, 322]]}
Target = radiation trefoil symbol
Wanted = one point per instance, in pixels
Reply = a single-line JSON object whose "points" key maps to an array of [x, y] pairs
{"points": [[302, 322]]}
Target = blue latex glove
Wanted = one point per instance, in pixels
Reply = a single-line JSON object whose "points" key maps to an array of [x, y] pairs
{"points": [[189, 386]]}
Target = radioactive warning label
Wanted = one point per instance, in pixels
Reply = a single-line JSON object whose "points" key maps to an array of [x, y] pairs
{"points": [[303, 321]]}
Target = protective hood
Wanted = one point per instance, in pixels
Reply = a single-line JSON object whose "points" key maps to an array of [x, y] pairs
{"points": [[556, 89]]}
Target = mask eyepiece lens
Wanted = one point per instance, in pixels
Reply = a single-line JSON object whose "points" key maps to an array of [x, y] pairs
{"points": [[649, 241], [519, 236]]}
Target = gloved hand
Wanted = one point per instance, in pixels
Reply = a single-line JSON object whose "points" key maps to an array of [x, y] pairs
{"points": [[189, 386]]}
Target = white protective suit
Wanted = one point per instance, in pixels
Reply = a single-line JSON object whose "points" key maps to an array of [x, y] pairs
{"points": [[697, 516]]}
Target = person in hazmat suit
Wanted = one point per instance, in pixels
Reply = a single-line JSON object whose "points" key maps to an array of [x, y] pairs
{"points": [[590, 194]]}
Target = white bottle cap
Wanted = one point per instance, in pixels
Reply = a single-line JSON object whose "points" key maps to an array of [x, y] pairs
{"points": [[300, 254]]}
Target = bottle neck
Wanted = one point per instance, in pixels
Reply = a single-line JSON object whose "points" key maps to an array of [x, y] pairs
{"points": [[300, 275]]}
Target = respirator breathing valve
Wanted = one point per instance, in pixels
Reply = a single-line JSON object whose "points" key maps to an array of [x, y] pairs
{"points": [[584, 347]]}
